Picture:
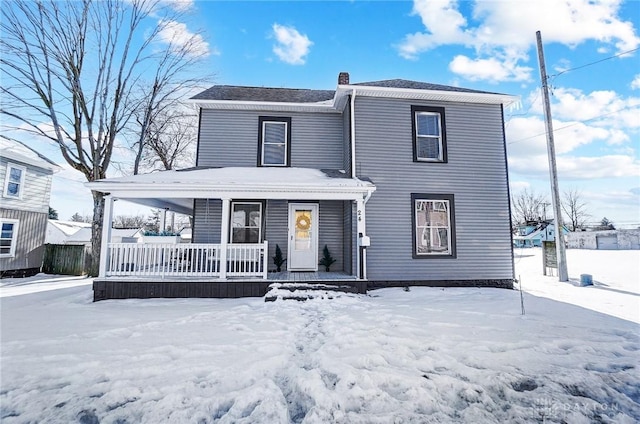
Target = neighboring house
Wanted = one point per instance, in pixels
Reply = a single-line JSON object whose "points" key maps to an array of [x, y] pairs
{"points": [[605, 240], [405, 182], [58, 232], [25, 181], [533, 233], [118, 235]]}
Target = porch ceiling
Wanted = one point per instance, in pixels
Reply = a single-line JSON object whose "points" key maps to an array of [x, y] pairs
{"points": [[176, 190]]}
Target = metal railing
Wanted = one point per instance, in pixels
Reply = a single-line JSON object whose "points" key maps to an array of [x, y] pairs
{"points": [[186, 260]]}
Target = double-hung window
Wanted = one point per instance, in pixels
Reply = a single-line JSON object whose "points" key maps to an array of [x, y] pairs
{"points": [[433, 225], [246, 222], [274, 141], [8, 236], [14, 181], [429, 135]]}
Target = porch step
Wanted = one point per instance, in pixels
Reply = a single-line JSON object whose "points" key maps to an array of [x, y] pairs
{"points": [[306, 291]]}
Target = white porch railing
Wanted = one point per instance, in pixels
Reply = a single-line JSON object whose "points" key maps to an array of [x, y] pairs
{"points": [[185, 260]]}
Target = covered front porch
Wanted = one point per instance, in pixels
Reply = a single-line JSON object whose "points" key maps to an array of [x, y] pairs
{"points": [[240, 216]]}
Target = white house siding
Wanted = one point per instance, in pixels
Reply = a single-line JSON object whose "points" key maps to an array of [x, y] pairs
{"points": [[230, 138], [29, 240], [37, 188], [475, 174], [625, 239]]}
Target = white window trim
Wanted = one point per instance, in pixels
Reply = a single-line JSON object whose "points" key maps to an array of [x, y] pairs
{"points": [[440, 157], [14, 237], [421, 229], [233, 204], [284, 143], [7, 180]]}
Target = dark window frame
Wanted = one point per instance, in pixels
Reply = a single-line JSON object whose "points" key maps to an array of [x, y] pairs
{"points": [[263, 219], [443, 132], [266, 119], [452, 225]]}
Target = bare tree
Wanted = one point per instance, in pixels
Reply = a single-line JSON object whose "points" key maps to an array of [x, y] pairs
{"points": [[575, 208], [528, 206], [170, 140], [160, 112], [129, 221], [70, 69]]}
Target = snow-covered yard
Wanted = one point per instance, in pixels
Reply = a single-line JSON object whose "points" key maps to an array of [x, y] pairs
{"points": [[426, 355]]}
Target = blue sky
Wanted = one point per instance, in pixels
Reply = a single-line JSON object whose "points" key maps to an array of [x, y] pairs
{"points": [[485, 45]]}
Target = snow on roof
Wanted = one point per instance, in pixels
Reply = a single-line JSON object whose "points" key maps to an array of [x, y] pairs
{"points": [[69, 227], [15, 150], [241, 177]]}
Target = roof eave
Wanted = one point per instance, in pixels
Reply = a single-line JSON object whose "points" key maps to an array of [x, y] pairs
{"points": [[422, 94], [328, 107]]}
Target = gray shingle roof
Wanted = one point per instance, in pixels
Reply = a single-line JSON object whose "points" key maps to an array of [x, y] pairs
{"points": [[417, 85], [264, 94], [296, 95]]}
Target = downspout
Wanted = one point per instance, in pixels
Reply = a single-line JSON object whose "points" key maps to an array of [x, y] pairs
{"points": [[353, 133]]}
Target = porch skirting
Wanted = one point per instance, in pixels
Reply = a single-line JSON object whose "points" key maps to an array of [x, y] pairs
{"points": [[137, 289]]}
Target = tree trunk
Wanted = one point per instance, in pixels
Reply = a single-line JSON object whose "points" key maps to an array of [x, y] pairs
{"points": [[96, 233]]}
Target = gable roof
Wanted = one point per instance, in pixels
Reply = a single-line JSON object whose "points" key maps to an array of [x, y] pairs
{"points": [[332, 101]]}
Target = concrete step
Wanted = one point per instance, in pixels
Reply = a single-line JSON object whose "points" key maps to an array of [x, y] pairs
{"points": [[306, 291]]}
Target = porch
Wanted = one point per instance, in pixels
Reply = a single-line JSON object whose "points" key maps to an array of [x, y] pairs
{"points": [[234, 212]]}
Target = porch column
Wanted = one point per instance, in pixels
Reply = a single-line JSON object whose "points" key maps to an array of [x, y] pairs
{"points": [[107, 219], [224, 236], [361, 254]]}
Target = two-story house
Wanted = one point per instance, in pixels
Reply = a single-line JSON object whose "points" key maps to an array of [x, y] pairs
{"points": [[25, 181], [405, 183]]}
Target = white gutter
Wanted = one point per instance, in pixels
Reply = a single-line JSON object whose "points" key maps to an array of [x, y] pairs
{"points": [[353, 133]]}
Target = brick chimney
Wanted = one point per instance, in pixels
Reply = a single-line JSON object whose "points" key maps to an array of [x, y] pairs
{"points": [[343, 78]]}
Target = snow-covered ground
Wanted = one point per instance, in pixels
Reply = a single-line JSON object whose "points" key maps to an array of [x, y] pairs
{"points": [[422, 356]]}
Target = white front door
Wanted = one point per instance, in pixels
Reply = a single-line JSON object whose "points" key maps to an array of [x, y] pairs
{"points": [[303, 237]]}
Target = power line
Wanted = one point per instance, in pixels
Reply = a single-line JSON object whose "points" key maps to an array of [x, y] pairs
{"points": [[576, 123], [593, 63]]}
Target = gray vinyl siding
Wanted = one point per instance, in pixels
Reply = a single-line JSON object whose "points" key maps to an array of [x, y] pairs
{"points": [[348, 237], [277, 229], [32, 227], [207, 215], [475, 174], [36, 189], [346, 130], [330, 232], [230, 138]]}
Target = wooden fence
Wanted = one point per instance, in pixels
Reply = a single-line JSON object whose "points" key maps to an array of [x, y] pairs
{"points": [[66, 259]]}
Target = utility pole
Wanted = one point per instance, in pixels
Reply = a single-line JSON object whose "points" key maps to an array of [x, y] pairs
{"points": [[561, 254]]}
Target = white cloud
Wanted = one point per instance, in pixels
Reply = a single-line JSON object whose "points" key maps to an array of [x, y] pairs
{"points": [[600, 108], [491, 69], [291, 47], [506, 30], [635, 84], [180, 5], [578, 167], [178, 36]]}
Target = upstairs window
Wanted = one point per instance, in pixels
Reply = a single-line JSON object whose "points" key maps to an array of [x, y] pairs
{"points": [[274, 143], [429, 135], [8, 237], [14, 181], [433, 225], [246, 222]]}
